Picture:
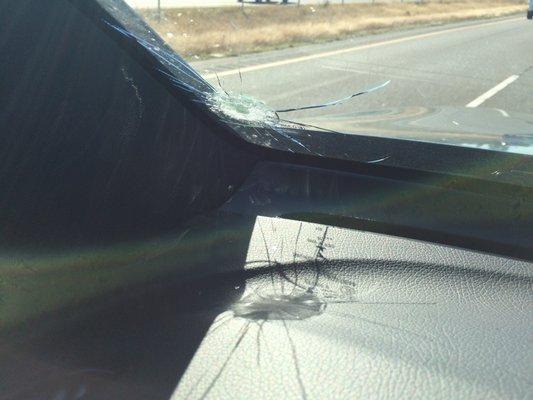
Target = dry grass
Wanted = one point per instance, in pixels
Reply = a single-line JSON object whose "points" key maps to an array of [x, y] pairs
{"points": [[217, 32]]}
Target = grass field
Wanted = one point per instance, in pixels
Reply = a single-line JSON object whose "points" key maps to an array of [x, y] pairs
{"points": [[217, 32]]}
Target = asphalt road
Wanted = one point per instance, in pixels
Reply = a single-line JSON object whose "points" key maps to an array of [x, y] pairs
{"points": [[230, 3], [479, 64]]}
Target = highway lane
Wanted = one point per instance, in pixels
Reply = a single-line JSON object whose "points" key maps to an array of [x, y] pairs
{"points": [[231, 3], [480, 64]]}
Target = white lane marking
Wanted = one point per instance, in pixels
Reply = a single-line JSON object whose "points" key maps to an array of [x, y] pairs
{"points": [[352, 49], [488, 94]]}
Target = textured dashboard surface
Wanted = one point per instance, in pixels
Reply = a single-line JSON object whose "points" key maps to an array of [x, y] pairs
{"points": [[258, 307], [400, 319]]}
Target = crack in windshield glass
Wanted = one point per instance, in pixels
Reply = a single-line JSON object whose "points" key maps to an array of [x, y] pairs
{"points": [[237, 109], [300, 58]]}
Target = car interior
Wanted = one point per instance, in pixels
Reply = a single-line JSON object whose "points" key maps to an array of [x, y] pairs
{"points": [[154, 248]]}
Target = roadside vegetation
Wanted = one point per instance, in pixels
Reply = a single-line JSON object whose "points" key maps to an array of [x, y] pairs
{"points": [[199, 33]]}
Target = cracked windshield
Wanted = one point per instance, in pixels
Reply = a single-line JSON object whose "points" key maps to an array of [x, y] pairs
{"points": [[450, 72]]}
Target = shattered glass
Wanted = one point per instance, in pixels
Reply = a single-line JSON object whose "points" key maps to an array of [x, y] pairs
{"points": [[211, 304], [293, 59], [242, 112]]}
